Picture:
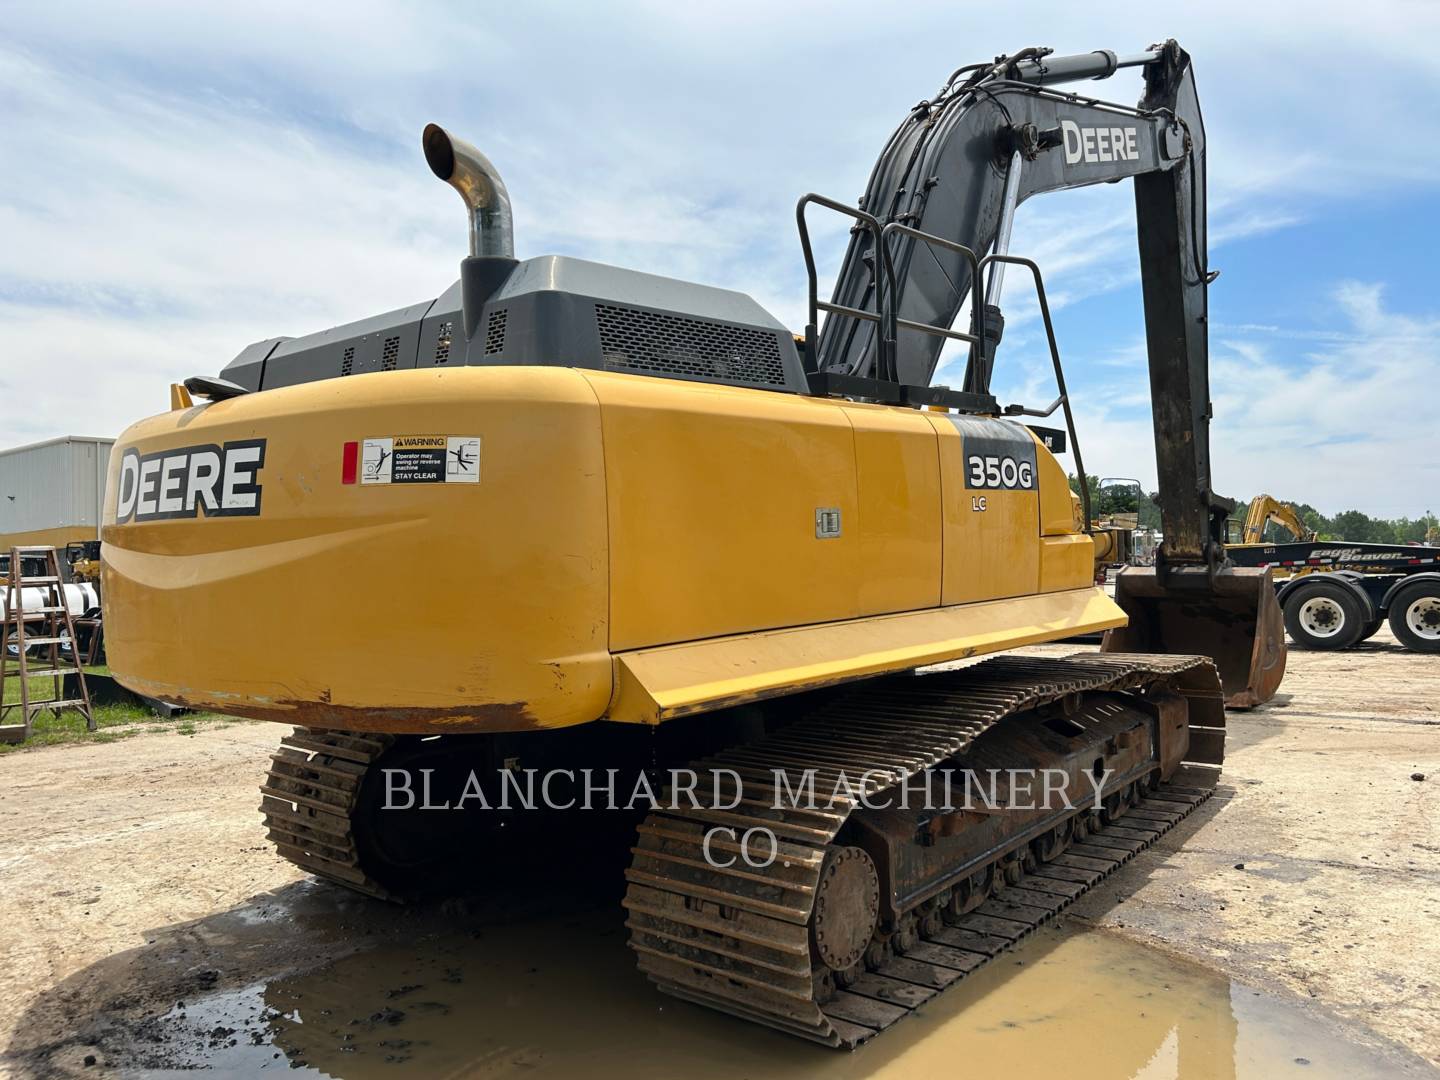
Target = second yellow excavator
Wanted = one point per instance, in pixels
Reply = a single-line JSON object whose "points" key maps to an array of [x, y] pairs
{"points": [[1265, 510]]}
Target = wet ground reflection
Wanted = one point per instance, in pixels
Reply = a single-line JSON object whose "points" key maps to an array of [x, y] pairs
{"points": [[560, 997]]}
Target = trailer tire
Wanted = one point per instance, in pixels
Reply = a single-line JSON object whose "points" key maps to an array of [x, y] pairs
{"points": [[1372, 628], [12, 645], [1324, 614], [1415, 616]]}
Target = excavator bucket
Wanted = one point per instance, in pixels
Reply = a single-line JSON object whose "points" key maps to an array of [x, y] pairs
{"points": [[1237, 623]]}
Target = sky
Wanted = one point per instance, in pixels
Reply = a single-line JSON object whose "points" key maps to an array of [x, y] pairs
{"points": [[179, 180]]}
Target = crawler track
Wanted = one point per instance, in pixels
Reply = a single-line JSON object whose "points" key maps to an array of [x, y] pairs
{"points": [[741, 939], [309, 799]]}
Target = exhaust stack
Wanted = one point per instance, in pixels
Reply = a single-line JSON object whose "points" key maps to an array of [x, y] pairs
{"points": [[470, 173], [492, 234]]}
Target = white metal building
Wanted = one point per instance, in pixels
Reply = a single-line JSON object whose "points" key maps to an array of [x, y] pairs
{"points": [[52, 492]]}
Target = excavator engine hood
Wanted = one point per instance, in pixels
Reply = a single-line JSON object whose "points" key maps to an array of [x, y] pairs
{"points": [[1233, 618]]}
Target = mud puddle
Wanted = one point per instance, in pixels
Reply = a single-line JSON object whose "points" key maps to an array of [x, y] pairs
{"points": [[560, 997]]}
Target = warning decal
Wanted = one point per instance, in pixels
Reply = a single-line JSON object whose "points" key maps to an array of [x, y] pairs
{"points": [[414, 459]]}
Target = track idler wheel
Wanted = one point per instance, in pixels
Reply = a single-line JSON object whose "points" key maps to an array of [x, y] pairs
{"points": [[848, 977], [907, 934], [1012, 867], [931, 917], [847, 908]]}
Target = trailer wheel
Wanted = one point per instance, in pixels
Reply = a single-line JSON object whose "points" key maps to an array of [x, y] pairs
{"points": [[1415, 616], [12, 645], [1324, 615], [1372, 628]]}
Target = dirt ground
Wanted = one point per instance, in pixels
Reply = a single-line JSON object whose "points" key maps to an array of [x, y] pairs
{"points": [[135, 874]]}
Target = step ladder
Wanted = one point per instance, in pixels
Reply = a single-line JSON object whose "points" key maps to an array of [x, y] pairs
{"points": [[43, 627]]}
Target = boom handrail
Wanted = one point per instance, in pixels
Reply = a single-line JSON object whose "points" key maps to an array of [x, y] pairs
{"points": [[977, 289], [885, 361], [1064, 400]]}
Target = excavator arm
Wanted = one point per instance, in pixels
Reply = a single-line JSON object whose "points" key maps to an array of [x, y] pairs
{"points": [[955, 170]]}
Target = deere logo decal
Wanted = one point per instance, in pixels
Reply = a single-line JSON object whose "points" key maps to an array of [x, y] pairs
{"points": [[1093, 144], [221, 481]]}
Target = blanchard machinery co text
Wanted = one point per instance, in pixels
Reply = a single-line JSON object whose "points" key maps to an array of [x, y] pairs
{"points": [[938, 791]]}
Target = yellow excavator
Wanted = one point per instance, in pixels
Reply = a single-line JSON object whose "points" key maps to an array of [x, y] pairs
{"points": [[699, 545], [1266, 509]]}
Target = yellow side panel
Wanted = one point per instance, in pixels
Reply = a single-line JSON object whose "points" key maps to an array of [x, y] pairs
{"points": [[990, 552], [899, 521], [654, 685], [712, 493], [1066, 562], [1057, 504], [393, 607]]}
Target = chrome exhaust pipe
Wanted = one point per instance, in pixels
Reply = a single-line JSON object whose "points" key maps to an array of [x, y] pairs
{"points": [[470, 173]]}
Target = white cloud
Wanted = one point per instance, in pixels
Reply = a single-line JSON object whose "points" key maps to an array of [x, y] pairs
{"points": [[1341, 430], [1337, 426]]}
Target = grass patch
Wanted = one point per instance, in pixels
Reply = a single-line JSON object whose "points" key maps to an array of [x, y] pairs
{"points": [[112, 722]]}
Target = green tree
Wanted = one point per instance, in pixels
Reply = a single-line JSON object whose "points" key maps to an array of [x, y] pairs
{"points": [[1351, 525], [1150, 512], [1360, 527], [1415, 531]]}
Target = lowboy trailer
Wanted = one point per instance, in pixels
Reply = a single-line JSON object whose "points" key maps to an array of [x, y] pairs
{"points": [[1338, 594]]}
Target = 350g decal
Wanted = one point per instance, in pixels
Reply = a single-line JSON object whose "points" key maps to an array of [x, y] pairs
{"points": [[999, 471], [999, 455], [223, 481]]}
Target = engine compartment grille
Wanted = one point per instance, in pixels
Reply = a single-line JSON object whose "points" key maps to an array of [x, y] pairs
{"points": [[652, 343], [495, 332]]}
